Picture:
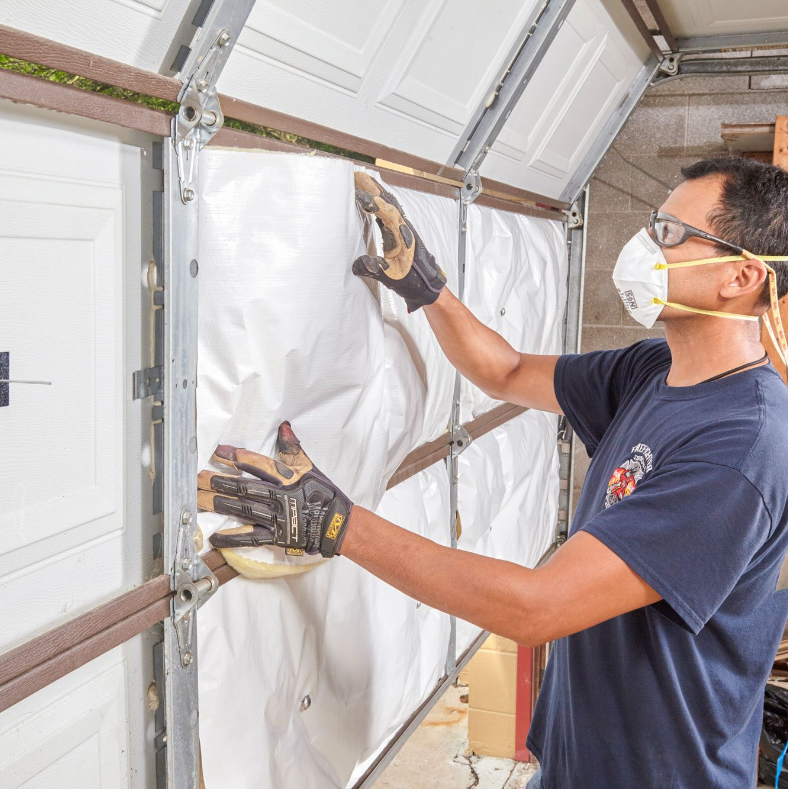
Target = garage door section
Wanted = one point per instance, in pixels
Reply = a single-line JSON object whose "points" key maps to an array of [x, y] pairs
{"points": [[138, 32], [405, 73], [412, 75], [583, 79], [77, 520], [724, 17]]}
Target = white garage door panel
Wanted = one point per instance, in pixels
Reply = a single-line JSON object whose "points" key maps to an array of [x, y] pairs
{"points": [[88, 729], [404, 73], [579, 84], [76, 524], [138, 32], [720, 17]]}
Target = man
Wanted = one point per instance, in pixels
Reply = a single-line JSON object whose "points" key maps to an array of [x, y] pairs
{"points": [[663, 602]]}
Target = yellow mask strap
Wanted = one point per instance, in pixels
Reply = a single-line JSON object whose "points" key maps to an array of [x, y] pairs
{"points": [[727, 259], [684, 308], [780, 342], [774, 302]]}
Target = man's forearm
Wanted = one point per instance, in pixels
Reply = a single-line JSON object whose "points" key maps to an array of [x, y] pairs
{"points": [[478, 352], [487, 360], [490, 593], [584, 582]]}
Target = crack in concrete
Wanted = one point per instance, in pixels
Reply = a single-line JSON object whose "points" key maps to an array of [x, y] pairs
{"points": [[466, 760]]}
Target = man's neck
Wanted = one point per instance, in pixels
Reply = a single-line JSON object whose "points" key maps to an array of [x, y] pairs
{"points": [[703, 347]]}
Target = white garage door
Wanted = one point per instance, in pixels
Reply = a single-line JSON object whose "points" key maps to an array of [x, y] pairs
{"points": [[76, 521]]}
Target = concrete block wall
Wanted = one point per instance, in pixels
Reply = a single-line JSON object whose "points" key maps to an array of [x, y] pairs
{"points": [[491, 676], [675, 124]]}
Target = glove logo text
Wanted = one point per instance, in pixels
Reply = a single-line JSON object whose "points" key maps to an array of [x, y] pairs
{"points": [[336, 524], [293, 520]]}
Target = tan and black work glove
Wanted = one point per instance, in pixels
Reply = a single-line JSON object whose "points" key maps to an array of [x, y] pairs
{"points": [[287, 502], [406, 267]]}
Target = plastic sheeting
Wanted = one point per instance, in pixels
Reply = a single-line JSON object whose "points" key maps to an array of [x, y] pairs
{"points": [[286, 332], [515, 283], [508, 495]]}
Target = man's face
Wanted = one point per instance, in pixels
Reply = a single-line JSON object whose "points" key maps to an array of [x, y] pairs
{"points": [[698, 286]]}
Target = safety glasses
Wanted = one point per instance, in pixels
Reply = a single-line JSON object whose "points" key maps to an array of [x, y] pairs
{"points": [[667, 231]]}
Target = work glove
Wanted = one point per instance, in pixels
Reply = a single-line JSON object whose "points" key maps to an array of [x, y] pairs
{"points": [[406, 267], [286, 502]]}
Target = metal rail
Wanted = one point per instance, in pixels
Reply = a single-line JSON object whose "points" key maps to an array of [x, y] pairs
{"points": [[774, 38], [541, 29], [400, 738], [712, 67], [615, 122]]}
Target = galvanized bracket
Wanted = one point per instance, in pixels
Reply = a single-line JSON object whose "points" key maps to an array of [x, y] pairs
{"points": [[670, 64], [200, 115], [539, 31], [193, 583], [471, 187], [147, 382], [460, 440], [574, 218]]}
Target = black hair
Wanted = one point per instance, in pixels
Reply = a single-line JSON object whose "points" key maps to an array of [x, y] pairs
{"points": [[753, 210]]}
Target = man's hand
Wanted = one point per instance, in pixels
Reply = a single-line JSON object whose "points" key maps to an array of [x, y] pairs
{"points": [[406, 267], [287, 502]]}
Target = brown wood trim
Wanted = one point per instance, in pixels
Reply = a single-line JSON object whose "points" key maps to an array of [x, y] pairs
{"points": [[24, 89], [642, 28], [253, 113], [519, 208], [492, 419], [45, 647], [68, 660], [514, 193], [422, 457], [25, 46], [662, 24]]}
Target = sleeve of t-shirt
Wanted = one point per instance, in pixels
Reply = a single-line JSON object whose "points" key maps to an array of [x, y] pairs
{"points": [[590, 387], [689, 531]]}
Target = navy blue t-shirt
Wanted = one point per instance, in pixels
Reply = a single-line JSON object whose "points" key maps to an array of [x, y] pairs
{"points": [[689, 486]]}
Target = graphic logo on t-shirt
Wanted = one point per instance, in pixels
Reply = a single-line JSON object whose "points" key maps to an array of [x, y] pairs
{"points": [[628, 475]]}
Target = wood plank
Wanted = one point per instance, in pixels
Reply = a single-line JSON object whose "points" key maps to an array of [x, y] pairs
{"points": [[83, 652], [48, 645], [780, 158], [742, 137], [24, 89], [25, 46]]}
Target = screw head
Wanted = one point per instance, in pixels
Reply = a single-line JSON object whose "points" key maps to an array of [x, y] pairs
{"points": [[188, 143], [503, 310], [188, 195], [306, 703], [202, 85], [186, 518], [224, 39], [186, 564], [187, 659]]}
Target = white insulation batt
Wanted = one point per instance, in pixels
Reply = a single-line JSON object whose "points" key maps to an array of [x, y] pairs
{"points": [[287, 332]]}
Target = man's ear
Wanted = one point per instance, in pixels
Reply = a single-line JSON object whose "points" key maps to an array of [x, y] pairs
{"points": [[743, 279]]}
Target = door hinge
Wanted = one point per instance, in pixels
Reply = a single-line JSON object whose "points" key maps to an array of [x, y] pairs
{"points": [[193, 583], [200, 115], [147, 382], [460, 440]]}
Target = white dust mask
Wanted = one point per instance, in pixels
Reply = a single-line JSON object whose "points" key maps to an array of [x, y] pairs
{"points": [[641, 279]]}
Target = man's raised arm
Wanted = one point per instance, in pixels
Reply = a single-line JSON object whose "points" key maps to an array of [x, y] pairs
{"points": [[479, 353]]}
